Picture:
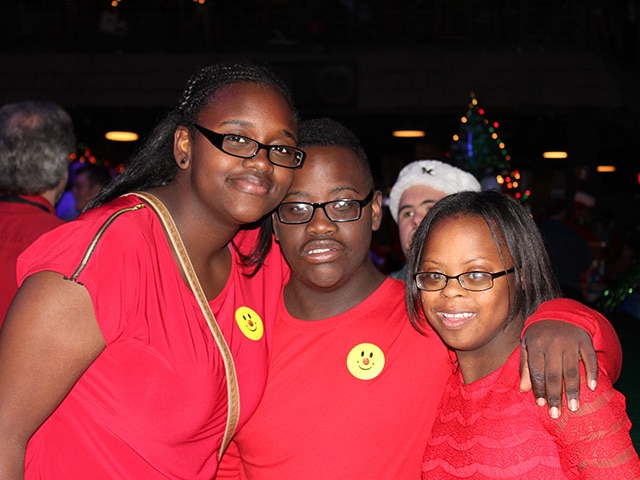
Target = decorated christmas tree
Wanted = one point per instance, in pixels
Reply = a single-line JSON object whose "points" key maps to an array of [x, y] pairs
{"points": [[478, 149]]}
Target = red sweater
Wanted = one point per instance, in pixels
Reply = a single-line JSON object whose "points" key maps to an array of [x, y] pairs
{"points": [[488, 429]]}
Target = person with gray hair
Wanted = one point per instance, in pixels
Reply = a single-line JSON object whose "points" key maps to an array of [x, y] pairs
{"points": [[419, 185], [36, 139]]}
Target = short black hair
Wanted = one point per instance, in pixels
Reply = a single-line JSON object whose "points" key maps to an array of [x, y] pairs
{"points": [[326, 132]]}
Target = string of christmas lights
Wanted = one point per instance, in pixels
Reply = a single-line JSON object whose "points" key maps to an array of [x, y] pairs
{"points": [[478, 149]]}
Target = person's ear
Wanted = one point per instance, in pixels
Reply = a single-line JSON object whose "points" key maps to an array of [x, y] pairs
{"points": [[274, 224], [182, 146], [376, 210]]}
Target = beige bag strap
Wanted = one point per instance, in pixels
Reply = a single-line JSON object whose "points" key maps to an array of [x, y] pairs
{"points": [[233, 394]]}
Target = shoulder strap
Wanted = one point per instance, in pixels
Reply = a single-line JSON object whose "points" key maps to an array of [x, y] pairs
{"points": [[233, 394]]}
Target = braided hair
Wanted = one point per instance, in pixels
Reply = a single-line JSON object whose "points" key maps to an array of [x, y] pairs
{"points": [[153, 164]]}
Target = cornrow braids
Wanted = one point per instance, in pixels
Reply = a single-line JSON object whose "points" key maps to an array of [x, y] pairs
{"points": [[153, 164]]}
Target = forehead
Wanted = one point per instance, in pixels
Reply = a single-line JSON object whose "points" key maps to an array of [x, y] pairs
{"points": [[235, 92], [462, 238], [330, 167], [248, 100], [418, 194]]}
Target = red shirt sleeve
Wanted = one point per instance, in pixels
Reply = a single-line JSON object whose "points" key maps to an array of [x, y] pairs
{"points": [[604, 337]]}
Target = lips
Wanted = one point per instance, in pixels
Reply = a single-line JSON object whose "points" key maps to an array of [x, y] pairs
{"points": [[252, 184], [321, 250], [455, 319]]}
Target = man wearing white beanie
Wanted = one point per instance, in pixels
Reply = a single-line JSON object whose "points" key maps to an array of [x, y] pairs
{"points": [[420, 184]]}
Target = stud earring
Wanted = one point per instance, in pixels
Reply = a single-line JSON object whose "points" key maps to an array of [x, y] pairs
{"points": [[183, 161]]}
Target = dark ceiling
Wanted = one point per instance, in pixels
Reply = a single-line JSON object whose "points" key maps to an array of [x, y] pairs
{"points": [[388, 44]]}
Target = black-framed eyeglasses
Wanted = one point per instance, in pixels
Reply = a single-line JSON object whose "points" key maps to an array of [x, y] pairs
{"points": [[472, 281], [336, 210], [245, 147]]}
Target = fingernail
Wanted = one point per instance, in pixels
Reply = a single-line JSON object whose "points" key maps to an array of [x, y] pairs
{"points": [[540, 402], [554, 412], [573, 405], [593, 384]]}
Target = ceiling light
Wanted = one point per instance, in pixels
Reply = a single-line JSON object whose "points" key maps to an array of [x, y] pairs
{"points": [[408, 133], [554, 155], [606, 168], [121, 136]]}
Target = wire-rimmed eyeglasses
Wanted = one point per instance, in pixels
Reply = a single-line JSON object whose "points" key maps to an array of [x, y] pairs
{"points": [[336, 210], [245, 147], [472, 281]]}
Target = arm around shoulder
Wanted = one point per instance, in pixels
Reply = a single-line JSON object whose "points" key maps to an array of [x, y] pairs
{"points": [[604, 337], [49, 338]]}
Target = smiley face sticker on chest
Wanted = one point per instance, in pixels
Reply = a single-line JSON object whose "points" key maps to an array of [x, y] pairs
{"points": [[365, 361], [250, 323]]}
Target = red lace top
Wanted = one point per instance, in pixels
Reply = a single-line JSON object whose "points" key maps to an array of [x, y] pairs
{"points": [[489, 429]]}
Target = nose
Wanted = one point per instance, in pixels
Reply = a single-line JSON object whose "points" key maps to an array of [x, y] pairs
{"points": [[453, 288], [260, 161], [320, 222], [417, 218]]}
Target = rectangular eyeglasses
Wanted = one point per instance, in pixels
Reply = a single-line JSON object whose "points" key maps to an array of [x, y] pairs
{"points": [[472, 281], [245, 147], [337, 210]]}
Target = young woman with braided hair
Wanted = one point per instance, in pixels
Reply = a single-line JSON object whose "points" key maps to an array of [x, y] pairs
{"points": [[108, 366]]}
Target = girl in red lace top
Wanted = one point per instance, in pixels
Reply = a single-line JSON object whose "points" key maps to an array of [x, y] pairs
{"points": [[480, 268]]}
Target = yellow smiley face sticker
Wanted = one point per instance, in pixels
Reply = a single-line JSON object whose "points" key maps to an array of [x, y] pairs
{"points": [[250, 323], [365, 361]]}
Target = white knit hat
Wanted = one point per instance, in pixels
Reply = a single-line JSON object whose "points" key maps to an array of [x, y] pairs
{"points": [[440, 176]]}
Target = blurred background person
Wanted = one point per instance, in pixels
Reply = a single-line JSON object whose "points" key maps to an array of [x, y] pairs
{"points": [[89, 179], [419, 185], [36, 139], [66, 206], [568, 251]]}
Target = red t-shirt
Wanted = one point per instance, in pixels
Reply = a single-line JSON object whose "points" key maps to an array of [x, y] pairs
{"points": [[154, 402], [322, 417], [23, 219]]}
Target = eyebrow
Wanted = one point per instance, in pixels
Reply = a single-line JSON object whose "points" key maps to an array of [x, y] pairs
{"points": [[333, 190], [424, 202], [245, 123], [466, 264]]}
